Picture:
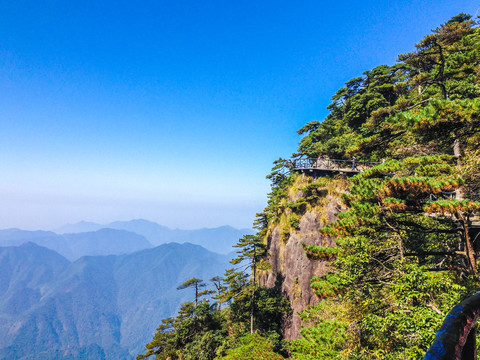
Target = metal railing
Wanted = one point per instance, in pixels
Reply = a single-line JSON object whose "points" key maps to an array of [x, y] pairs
{"points": [[332, 164], [456, 339]]}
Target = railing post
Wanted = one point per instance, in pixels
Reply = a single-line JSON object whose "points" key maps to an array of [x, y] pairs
{"points": [[469, 351], [456, 339]]}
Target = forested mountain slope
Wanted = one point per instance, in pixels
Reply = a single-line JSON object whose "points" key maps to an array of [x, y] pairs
{"points": [[97, 307]]}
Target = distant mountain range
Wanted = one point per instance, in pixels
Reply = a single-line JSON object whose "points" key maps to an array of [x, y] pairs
{"points": [[74, 246], [121, 237], [220, 239], [97, 307]]}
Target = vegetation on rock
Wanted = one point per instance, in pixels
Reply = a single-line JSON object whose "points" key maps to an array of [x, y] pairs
{"points": [[404, 250]]}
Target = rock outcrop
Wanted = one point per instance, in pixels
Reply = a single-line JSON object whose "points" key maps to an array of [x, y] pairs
{"points": [[290, 268]]}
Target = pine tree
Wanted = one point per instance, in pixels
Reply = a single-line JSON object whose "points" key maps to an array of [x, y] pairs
{"points": [[197, 284], [436, 59], [251, 251], [403, 255]]}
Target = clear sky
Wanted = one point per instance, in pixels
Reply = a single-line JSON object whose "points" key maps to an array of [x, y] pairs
{"points": [[174, 111]]}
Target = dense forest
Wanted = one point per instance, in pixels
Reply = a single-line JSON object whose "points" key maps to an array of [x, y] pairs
{"points": [[403, 252]]}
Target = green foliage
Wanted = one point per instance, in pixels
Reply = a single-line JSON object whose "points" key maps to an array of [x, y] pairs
{"points": [[313, 192], [470, 172], [197, 284], [358, 102], [285, 234], [328, 285], [271, 308], [203, 332], [441, 122], [327, 335], [363, 113], [217, 281], [445, 60], [403, 256], [298, 206], [195, 333], [389, 241], [315, 252], [294, 221], [252, 347], [251, 249], [280, 182]]}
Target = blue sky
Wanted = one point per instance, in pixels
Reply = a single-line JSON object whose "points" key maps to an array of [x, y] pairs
{"points": [[174, 111]]}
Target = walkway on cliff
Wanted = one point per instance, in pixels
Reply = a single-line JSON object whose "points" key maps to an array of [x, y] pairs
{"points": [[323, 166]]}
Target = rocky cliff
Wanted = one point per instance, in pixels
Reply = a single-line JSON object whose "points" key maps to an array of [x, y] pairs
{"points": [[308, 205]]}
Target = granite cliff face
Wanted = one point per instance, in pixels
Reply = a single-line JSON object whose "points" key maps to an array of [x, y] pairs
{"points": [[290, 268]]}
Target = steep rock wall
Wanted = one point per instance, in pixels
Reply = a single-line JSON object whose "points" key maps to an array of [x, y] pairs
{"points": [[290, 268]]}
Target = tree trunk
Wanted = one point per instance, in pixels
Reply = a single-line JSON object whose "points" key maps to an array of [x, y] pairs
{"points": [[441, 72], [196, 294], [251, 311], [472, 258], [457, 153], [254, 273]]}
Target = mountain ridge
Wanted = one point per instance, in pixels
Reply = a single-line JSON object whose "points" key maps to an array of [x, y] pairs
{"points": [[96, 306], [220, 239], [74, 246]]}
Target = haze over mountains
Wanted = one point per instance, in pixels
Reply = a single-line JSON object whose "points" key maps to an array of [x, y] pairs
{"points": [[91, 291], [74, 246], [220, 239], [121, 237]]}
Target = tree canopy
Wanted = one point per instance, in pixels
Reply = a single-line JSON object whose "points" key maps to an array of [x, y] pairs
{"points": [[404, 251]]}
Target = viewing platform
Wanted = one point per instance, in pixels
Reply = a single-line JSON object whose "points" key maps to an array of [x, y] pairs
{"points": [[324, 166]]}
